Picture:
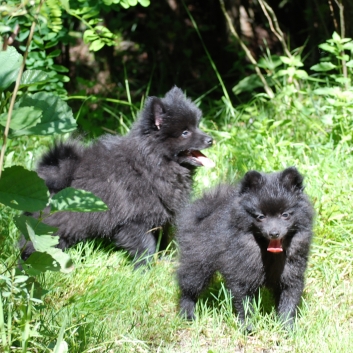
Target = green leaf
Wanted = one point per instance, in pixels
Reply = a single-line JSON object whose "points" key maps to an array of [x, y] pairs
{"points": [[324, 66], [125, 4], [132, 2], [65, 4], [52, 259], [31, 77], [327, 47], [144, 3], [61, 345], [22, 118], [46, 257], [57, 115], [89, 35], [301, 74], [59, 68], [348, 46], [292, 61], [10, 63], [330, 91], [76, 200], [336, 37], [39, 227], [247, 84], [22, 189], [40, 242], [96, 45], [349, 63], [54, 53]]}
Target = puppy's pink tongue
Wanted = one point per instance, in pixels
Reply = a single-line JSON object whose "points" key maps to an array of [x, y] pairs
{"points": [[206, 162], [275, 246]]}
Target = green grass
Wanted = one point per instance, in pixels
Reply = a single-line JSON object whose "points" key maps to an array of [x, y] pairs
{"points": [[106, 306]]}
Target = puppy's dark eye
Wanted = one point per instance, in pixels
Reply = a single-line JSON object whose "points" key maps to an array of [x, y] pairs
{"points": [[261, 217], [185, 133], [285, 215]]}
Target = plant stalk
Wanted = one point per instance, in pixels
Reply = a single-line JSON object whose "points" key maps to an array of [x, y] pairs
{"points": [[343, 34], [15, 91], [247, 51], [225, 92]]}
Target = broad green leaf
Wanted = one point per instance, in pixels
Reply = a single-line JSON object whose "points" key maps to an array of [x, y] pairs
{"points": [[59, 68], [40, 242], [22, 189], [144, 3], [96, 45], [22, 118], [292, 61], [89, 35], [63, 259], [10, 63], [54, 53], [38, 227], [247, 84], [331, 91], [4, 28], [52, 259], [336, 37], [65, 4], [125, 4], [301, 74], [324, 66], [344, 57], [76, 200], [57, 115], [31, 77], [46, 257], [270, 63], [349, 63], [327, 47], [348, 46], [132, 2]]}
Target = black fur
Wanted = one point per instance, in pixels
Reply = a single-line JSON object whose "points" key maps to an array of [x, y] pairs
{"points": [[230, 230], [144, 177]]}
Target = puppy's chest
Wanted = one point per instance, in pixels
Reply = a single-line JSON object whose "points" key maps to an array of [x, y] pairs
{"points": [[173, 190], [273, 267]]}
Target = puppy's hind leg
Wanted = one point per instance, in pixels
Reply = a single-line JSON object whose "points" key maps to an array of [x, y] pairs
{"points": [[139, 244], [193, 278]]}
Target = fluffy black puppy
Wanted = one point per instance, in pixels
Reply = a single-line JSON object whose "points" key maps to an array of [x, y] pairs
{"points": [[144, 177], [255, 234]]}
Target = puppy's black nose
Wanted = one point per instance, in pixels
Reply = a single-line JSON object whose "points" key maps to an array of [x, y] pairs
{"points": [[274, 234], [209, 140]]}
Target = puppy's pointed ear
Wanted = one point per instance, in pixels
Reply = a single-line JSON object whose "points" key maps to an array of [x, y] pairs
{"points": [[158, 112], [292, 179], [252, 180]]}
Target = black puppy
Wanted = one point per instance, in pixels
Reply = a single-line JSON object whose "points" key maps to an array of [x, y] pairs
{"points": [[144, 177], [255, 234]]}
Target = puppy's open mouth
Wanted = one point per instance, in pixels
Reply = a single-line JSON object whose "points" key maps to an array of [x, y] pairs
{"points": [[197, 158], [275, 246]]}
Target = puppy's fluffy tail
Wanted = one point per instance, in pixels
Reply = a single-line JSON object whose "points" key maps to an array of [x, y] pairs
{"points": [[58, 165]]}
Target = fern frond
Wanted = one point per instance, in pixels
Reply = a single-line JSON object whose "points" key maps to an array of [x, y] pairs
{"points": [[52, 10]]}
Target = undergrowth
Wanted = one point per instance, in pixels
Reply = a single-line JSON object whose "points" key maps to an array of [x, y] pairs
{"points": [[103, 305], [109, 307]]}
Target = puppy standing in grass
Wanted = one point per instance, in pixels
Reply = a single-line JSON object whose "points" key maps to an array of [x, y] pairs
{"points": [[144, 177], [256, 234]]}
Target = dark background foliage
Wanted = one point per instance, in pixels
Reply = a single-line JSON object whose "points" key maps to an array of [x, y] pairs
{"points": [[159, 47]]}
